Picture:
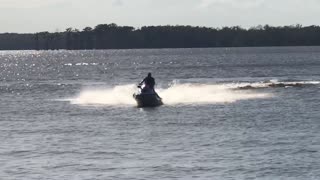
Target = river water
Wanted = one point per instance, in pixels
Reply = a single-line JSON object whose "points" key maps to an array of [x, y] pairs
{"points": [[229, 113]]}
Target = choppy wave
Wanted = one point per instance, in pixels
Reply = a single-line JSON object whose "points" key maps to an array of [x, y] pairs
{"points": [[22, 88], [276, 84], [173, 95]]}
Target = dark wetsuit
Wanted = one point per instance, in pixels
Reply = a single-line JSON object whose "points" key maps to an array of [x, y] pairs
{"points": [[149, 81]]}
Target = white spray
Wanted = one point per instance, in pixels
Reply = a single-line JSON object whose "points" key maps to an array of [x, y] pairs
{"points": [[176, 94]]}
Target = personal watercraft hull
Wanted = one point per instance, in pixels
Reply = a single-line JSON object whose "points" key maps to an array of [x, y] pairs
{"points": [[147, 100]]}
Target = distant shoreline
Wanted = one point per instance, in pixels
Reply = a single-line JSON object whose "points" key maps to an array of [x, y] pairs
{"points": [[112, 36], [242, 47]]}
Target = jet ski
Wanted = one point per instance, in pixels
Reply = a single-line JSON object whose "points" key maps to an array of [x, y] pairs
{"points": [[147, 97]]}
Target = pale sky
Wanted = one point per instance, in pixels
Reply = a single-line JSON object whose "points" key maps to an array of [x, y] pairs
{"points": [[57, 15]]}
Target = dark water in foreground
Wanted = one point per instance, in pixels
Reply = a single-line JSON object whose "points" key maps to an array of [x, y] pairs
{"points": [[242, 113]]}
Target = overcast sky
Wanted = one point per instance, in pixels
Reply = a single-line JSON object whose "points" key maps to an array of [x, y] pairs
{"points": [[57, 15]]}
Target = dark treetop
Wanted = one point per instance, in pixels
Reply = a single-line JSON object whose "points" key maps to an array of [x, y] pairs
{"points": [[111, 36]]}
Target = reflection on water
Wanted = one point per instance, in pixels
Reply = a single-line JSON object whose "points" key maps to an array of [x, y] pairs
{"points": [[235, 113]]}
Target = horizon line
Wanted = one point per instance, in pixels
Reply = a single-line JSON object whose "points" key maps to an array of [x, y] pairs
{"points": [[162, 25]]}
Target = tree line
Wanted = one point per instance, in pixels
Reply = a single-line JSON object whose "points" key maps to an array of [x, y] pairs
{"points": [[112, 36]]}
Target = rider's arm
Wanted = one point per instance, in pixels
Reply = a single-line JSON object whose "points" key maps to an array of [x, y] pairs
{"points": [[142, 81]]}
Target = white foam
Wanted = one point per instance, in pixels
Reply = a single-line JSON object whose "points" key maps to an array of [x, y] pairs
{"points": [[206, 94], [118, 95], [176, 94]]}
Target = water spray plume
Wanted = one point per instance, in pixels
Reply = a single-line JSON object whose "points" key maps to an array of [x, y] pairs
{"points": [[174, 95]]}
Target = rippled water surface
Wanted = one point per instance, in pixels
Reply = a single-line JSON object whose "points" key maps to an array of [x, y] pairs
{"points": [[229, 113]]}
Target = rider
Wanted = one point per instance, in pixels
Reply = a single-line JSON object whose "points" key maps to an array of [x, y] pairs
{"points": [[149, 82]]}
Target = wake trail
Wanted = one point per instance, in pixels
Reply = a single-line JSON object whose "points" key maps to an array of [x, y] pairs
{"points": [[176, 94], [206, 94]]}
